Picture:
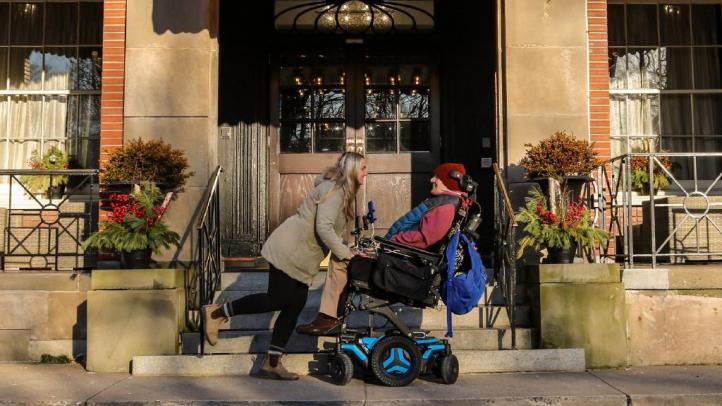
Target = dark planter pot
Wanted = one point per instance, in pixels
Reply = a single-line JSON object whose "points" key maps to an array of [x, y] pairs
{"points": [[138, 259], [55, 192], [543, 185], [562, 255], [619, 249], [575, 184]]}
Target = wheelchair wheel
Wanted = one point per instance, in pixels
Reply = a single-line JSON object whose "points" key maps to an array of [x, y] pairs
{"points": [[447, 368], [341, 369], [396, 361]]}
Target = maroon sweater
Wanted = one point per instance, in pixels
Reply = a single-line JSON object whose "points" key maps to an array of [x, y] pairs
{"points": [[434, 223]]}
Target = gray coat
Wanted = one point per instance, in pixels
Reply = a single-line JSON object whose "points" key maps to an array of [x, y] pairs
{"points": [[296, 247]]}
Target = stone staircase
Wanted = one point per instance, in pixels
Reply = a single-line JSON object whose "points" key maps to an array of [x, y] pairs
{"points": [[482, 338]]}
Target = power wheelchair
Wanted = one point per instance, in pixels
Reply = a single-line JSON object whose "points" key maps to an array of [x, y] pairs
{"points": [[396, 356]]}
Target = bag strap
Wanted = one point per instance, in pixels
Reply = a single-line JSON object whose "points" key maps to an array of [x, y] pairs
{"points": [[476, 263], [450, 269]]}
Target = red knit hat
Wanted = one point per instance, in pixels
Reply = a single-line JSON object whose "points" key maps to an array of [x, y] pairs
{"points": [[442, 172]]}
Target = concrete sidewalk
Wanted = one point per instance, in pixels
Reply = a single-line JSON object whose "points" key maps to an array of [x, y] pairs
{"points": [[69, 384]]}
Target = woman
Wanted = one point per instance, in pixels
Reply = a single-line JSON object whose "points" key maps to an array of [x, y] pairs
{"points": [[294, 251]]}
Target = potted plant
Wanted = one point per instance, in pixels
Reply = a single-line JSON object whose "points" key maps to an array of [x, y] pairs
{"points": [[155, 160], [53, 159], [640, 174], [560, 230], [134, 228], [563, 158]]}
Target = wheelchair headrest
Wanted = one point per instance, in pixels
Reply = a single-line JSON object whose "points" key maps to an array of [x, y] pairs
{"points": [[466, 183]]}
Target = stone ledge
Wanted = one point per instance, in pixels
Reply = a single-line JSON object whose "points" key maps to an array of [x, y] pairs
{"points": [[136, 279], [578, 273], [49, 281], [685, 277], [316, 363]]}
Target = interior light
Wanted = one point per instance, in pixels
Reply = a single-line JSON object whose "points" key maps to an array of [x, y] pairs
{"points": [[298, 77]]}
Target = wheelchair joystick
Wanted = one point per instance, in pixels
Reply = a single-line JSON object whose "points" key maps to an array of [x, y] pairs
{"points": [[364, 221], [371, 216]]}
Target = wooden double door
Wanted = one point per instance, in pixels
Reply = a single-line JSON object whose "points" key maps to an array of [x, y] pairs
{"points": [[382, 104]]}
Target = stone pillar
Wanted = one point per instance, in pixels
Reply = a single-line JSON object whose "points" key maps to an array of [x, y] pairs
{"points": [[582, 306], [546, 72], [133, 312], [171, 92]]}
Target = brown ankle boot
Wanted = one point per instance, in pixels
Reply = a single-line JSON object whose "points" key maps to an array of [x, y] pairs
{"points": [[211, 325], [278, 372], [321, 325]]}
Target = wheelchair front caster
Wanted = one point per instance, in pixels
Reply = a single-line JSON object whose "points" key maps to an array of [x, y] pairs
{"points": [[341, 368], [447, 368], [396, 361]]}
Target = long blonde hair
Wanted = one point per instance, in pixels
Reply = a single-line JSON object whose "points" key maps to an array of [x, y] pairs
{"points": [[344, 175]]}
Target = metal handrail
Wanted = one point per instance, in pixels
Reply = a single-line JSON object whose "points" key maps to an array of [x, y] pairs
{"points": [[616, 205], [204, 277], [505, 194], [505, 248], [210, 190]]}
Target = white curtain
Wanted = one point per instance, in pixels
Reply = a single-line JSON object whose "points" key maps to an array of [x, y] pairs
{"points": [[25, 129], [37, 123]]}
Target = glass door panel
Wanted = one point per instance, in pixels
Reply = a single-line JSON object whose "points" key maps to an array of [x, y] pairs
{"points": [[312, 115], [397, 111]]}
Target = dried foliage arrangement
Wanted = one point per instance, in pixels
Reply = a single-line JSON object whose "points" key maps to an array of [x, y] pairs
{"points": [[558, 156], [138, 161]]}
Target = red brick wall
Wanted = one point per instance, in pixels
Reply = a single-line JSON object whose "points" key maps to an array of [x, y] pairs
{"points": [[598, 77], [113, 81]]}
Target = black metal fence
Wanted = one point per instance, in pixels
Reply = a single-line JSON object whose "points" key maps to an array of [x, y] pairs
{"points": [[45, 215]]}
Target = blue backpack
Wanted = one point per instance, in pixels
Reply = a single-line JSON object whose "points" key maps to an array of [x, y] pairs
{"points": [[462, 292]]}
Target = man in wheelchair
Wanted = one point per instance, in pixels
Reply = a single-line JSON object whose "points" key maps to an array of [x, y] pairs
{"points": [[425, 226]]}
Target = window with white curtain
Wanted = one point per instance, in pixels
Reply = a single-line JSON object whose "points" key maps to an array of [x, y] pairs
{"points": [[665, 78], [50, 70]]}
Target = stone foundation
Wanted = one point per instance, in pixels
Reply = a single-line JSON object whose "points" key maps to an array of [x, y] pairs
{"points": [[43, 313], [674, 316]]}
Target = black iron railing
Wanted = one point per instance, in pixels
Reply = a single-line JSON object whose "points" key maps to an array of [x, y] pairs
{"points": [[504, 257], [45, 216], [661, 207], [204, 277]]}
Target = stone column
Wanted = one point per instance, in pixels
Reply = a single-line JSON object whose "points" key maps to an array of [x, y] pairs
{"points": [[133, 312], [171, 92], [582, 306], [546, 72]]}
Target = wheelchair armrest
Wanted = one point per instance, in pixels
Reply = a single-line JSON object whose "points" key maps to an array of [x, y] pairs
{"points": [[408, 250]]}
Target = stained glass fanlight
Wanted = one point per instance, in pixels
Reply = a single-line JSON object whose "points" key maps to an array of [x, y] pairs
{"points": [[355, 17]]}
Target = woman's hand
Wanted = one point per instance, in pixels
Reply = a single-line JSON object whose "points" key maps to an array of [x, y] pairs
{"points": [[356, 252]]}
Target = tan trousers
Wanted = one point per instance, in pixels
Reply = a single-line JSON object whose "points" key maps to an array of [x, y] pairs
{"points": [[336, 279]]}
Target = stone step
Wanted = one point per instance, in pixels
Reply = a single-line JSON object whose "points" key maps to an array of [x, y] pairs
{"points": [[243, 342], [470, 361], [256, 282], [314, 297], [428, 319]]}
